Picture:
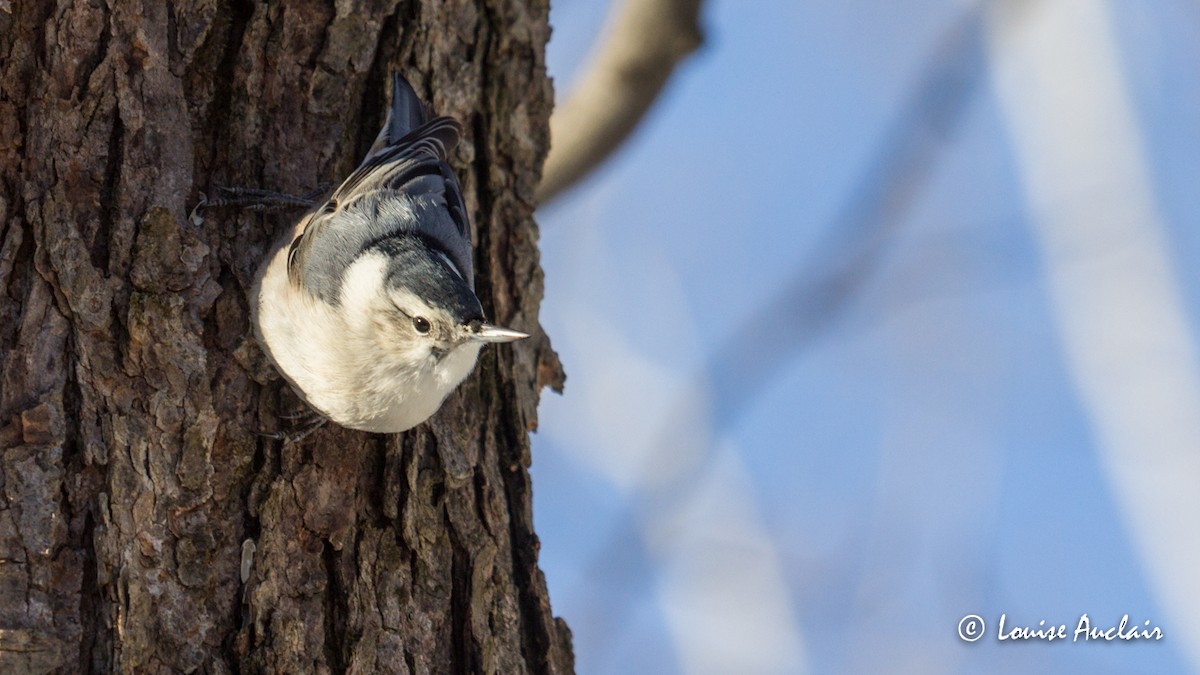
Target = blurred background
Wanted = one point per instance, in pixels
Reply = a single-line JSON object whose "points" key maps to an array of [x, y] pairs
{"points": [[884, 315]]}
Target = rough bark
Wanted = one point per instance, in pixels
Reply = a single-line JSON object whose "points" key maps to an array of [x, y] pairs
{"points": [[145, 525]]}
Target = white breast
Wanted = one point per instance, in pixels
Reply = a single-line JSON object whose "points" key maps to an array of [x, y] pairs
{"points": [[340, 360]]}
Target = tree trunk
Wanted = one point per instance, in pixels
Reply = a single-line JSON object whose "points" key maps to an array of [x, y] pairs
{"points": [[145, 524]]}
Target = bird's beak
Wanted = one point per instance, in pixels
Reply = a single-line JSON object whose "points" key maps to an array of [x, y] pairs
{"points": [[489, 333]]}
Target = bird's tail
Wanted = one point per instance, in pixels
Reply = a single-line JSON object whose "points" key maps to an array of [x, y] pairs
{"points": [[406, 113]]}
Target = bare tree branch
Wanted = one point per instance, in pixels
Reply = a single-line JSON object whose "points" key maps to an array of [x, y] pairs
{"points": [[1072, 114], [645, 41], [816, 297], [835, 272]]}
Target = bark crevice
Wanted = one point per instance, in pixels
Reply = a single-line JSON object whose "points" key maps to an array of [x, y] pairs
{"points": [[134, 483]]}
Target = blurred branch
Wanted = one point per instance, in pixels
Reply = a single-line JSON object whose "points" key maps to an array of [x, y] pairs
{"points": [[838, 268], [815, 298], [646, 40], [1106, 246]]}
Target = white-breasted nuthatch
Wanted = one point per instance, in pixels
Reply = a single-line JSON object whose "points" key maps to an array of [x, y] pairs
{"points": [[367, 306]]}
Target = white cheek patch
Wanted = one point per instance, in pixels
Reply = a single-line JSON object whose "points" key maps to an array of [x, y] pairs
{"points": [[362, 285]]}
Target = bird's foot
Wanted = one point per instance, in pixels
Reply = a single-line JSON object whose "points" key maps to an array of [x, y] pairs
{"points": [[301, 425]]}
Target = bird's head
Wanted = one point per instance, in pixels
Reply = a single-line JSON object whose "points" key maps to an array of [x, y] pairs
{"points": [[431, 314]]}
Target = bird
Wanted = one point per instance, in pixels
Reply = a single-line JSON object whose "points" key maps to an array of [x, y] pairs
{"points": [[367, 305]]}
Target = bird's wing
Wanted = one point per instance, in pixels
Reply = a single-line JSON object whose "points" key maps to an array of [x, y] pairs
{"points": [[405, 185]]}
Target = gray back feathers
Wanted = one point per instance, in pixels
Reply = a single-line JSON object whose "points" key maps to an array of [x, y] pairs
{"points": [[404, 186]]}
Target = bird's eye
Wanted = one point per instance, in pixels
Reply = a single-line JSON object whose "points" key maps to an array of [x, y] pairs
{"points": [[421, 324]]}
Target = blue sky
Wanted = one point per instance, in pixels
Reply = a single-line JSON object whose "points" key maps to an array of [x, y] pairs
{"points": [[925, 456]]}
